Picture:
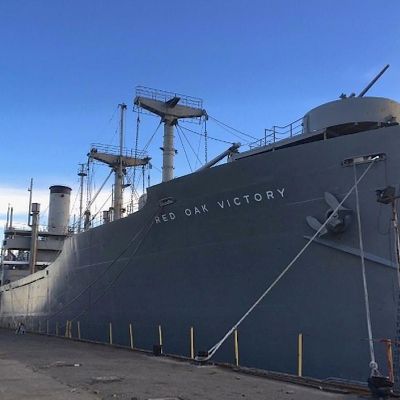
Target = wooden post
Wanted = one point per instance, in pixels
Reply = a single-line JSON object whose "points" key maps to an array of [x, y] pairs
{"points": [[389, 356], [131, 335], [79, 330], [110, 333], [160, 341], [300, 355], [192, 342], [236, 341]]}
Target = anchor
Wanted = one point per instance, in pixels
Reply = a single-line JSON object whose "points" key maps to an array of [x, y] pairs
{"points": [[338, 222]]}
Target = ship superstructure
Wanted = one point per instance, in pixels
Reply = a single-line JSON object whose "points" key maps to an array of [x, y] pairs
{"points": [[43, 242]]}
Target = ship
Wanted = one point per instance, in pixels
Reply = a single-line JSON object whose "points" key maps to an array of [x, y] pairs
{"points": [[290, 243]]}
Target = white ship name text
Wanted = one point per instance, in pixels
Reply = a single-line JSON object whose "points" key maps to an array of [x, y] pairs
{"points": [[224, 204]]}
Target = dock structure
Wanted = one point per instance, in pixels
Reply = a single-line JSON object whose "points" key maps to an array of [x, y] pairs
{"points": [[47, 367]]}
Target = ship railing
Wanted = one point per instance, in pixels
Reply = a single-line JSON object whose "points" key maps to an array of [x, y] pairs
{"points": [[97, 218], [24, 227], [162, 95], [115, 150], [278, 133]]}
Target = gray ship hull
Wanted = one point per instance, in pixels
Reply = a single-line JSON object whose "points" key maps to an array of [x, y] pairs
{"points": [[203, 261]]}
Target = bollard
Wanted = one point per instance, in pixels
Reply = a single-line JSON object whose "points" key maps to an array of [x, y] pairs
{"points": [[110, 333], [56, 328], [47, 327], [236, 341], [70, 329], [192, 342], [158, 348], [79, 330], [300, 355], [40, 326], [160, 341], [131, 335], [66, 328]]}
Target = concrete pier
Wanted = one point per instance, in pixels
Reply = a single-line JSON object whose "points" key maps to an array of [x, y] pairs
{"points": [[43, 367]]}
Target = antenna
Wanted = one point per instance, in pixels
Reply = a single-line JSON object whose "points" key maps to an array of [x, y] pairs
{"points": [[373, 81], [165, 105]]}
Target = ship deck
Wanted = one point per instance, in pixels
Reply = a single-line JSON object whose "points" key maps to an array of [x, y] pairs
{"points": [[47, 367]]}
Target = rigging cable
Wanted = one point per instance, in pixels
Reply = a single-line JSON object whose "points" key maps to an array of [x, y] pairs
{"points": [[113, 262], [111, 140], [397, 237], [144, 149], [76, 198], [136, 154], [184, 150], [112, 282], [152, 136], [373, 365], [155, 167], [89, 181], [198, 151], [215, 348], [205, 142], [95, 215], [143, 179], [100, 189], [208, 136], [191, 147], [233, 129], [95, 197], [101, 134]]}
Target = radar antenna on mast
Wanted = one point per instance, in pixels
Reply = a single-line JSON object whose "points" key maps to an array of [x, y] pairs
{"points": [[165, 105]]}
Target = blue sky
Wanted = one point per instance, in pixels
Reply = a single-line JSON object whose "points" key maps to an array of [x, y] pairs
{"points": [[65, 65]]}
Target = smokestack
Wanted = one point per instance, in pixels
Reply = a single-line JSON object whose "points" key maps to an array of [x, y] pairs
{"points": [[59, 209]]}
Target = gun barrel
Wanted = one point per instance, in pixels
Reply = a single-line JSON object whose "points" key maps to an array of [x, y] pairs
{"points": [[373, 81]]}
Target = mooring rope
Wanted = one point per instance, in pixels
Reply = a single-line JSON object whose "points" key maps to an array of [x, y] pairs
{"points": [[215, 348], [373, 364]]}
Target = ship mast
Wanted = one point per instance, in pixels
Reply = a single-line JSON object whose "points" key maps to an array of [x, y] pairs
{"points": [[165, 105], [35, 210], [119, 174], [30, 202], [81, 175], [118, 160]]}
